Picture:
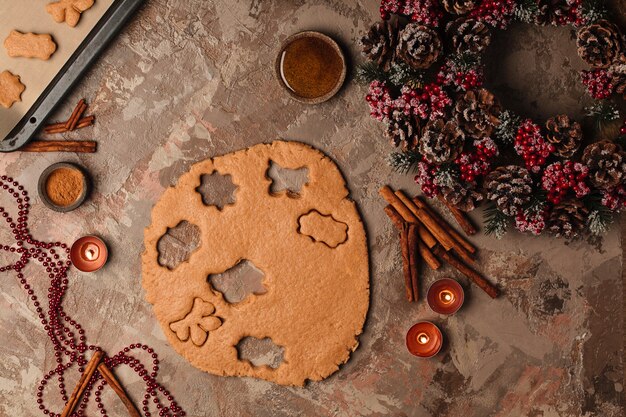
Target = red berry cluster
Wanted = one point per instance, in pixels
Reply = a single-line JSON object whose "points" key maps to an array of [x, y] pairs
{"points": [[460, 80], [614, 199], [497, 13], [561, 177], [532, 146], [379, 99], [426, 178], [426, 12], [599, 83], [477, 162], [429, 102], [576, 14], [531, 222]]}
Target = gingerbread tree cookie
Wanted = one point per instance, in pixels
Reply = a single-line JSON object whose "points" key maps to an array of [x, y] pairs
{"points": [[11, 89], [68, 11]]}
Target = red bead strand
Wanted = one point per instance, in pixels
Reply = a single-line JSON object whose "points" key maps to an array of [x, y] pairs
{"points": [[66, 334]]}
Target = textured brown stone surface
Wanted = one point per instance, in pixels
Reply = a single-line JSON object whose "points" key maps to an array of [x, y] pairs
{"points": [[190, 79]]}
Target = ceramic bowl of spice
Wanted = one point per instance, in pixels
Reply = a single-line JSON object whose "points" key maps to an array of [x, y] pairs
{"points": [[63, 186], [311, 67]]}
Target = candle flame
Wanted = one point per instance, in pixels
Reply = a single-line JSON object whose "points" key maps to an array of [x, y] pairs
{"points": [[446, 296], [423, 338], [90, 252]]}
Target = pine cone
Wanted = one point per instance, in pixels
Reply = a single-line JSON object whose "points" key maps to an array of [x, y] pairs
{"points": [[379, 44], [419, 46], [600, 44], [458, 6], [464, 197], [553, 12], [403, 130], [568, 218], [441, 141], [510, 186], [606, 162], [468, 35], [477, 112], [565, 134]]}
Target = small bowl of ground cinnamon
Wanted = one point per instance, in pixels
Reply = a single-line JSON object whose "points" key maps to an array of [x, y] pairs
{"points": [[63, 186]]}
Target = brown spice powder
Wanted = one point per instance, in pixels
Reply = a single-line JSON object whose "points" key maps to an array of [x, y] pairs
{"points": [[64, 186], [311, 67]]}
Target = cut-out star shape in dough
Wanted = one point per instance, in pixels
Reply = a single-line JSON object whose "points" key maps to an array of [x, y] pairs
{"points": [[197, 323], [217, 190], [11, 89]]}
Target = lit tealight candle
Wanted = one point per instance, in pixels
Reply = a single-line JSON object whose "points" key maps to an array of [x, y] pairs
{"points": [[445, 296], [89, 253], [424, 339]]}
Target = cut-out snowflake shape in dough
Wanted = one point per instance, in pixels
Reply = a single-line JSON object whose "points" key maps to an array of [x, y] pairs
{"points": [[217, 190], [197, 323]]}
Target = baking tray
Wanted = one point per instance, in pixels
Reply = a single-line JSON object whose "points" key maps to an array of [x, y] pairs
{"points": [[83, 57]]}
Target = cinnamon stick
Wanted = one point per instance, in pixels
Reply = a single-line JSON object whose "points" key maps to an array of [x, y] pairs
{"points": [[85, 121], [461, 218], [78, 111], [406, 263], [60, 127], [430, 259], [109, 377], [413, 260], [433, 227], [482, 283], [90, 369], [79, 146], [455, 235], [440, 233]]}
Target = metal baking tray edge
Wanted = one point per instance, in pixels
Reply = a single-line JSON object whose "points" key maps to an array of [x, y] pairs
{"points": [[94, 44]]}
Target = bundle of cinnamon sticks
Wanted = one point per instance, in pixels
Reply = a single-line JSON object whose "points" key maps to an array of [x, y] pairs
{"points": [[76, 120], [97, 364], [426, 235]]}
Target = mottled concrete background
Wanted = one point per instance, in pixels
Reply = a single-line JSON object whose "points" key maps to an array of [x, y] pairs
{"points": [[190, 79]]}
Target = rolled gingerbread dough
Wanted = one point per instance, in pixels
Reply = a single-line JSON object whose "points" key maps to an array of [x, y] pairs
{"points": [[317, 295]]}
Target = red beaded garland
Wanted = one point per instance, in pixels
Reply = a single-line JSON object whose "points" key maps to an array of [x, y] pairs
{"points": [[69, 350]]}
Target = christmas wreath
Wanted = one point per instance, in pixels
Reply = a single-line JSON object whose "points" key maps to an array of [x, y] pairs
{"points": [[425, 80]]}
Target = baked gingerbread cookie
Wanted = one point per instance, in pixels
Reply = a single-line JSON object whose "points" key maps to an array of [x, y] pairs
{"points": [[68, 11], [305, 252], [29, 45], [11, 89]]}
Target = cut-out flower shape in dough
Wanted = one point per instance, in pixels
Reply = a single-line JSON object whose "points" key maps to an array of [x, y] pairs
{"points": [[197, 323]]}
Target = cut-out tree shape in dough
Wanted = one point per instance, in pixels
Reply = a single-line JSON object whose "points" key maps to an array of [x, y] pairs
{"points": [[177, 244], [197, 323], [238, 282], [260, 352], [287, 180], [217, 190], [323, 228]]}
